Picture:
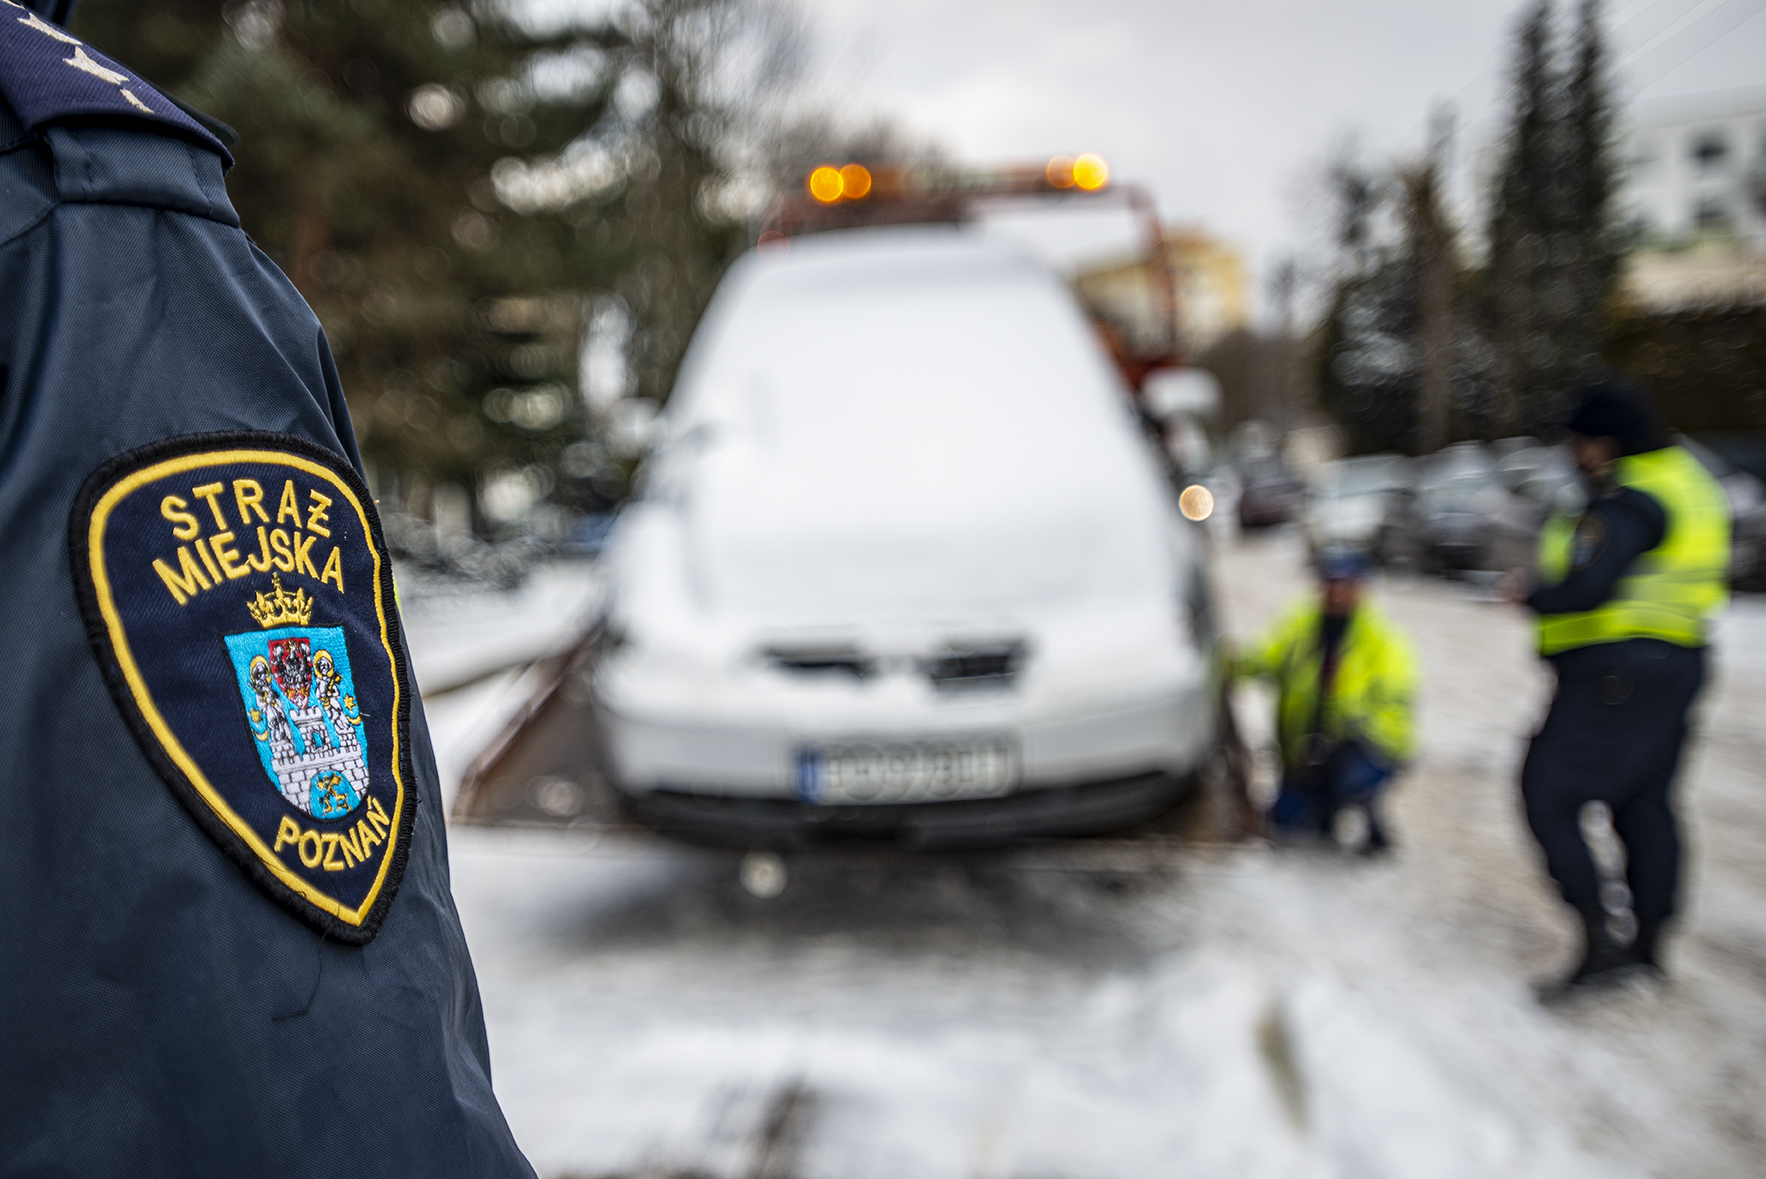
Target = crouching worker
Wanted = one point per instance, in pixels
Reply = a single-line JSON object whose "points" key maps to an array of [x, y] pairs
{"points": [[1345, 681]]}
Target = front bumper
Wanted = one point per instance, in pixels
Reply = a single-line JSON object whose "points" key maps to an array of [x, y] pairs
{"points": [[746, 743], [1102, 729], [785, 825]]}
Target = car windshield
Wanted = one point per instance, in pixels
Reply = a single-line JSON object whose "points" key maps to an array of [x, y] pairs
{"points": [[1264, 469], [1459, 491], [1361, 476], [907, 419]]}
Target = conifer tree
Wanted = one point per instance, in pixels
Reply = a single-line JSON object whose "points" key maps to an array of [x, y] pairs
{"points": [[449, 185], [368, 132], [1594, 182], [1519, 214], [1429, 246], [1553, 253]]}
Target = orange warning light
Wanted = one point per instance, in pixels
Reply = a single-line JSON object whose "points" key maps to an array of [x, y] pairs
{"points": [[1060, 172], [855, 181], [1090, 172], [826, 185]]}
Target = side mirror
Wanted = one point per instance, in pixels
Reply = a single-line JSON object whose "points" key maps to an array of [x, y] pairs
{"points": [[634, 425]]}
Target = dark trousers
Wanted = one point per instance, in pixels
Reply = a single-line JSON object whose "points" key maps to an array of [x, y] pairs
{"points": [[1614, 734], [1310, 798]]}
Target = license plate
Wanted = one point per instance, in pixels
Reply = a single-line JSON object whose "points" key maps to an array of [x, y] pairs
{"points": [[895, 772]]}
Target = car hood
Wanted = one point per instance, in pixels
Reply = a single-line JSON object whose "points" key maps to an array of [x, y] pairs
{"points": [[923, 431]]}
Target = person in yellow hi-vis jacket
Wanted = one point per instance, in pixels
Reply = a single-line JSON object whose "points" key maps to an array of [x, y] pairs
{"points": [[1624, 592], [1346, 682]]}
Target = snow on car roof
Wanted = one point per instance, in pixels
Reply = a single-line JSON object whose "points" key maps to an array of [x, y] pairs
{"points": [[890, 417]]}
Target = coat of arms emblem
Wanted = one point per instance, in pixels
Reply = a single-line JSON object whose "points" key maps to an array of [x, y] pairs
{"points": [[238, 594], [301, 703]]}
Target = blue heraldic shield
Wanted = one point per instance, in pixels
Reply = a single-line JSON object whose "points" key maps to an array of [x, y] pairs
{"points": [[298, 695]]}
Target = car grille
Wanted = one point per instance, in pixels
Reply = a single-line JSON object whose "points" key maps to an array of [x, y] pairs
{"points": [[955, 665], [975, 667], [814, 660]]}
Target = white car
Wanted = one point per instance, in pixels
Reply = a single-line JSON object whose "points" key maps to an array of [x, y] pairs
{"points": [[1353, 500], [903, 565]]}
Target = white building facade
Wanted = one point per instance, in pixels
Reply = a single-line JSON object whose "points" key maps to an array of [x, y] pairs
{"points": [[1696, 165], [1694, 198]]}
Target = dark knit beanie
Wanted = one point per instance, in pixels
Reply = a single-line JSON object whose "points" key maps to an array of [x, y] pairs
{"points": [[1612, 407]]}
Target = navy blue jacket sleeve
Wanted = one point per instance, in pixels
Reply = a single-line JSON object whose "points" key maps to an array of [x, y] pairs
{"points": [[163, 1016], [1613, 533]]}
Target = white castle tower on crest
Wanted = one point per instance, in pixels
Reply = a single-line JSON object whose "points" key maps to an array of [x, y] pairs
{"points": [[315, 746], [324, 756]]}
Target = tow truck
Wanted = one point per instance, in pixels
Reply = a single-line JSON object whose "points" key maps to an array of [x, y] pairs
{"points": [[777, 721]]}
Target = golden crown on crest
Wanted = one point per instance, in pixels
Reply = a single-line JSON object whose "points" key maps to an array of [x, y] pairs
{"points": [[282, 608]]}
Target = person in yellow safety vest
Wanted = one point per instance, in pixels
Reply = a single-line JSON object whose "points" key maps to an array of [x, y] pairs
{"points": [[1624, 594], [1345, 681]]}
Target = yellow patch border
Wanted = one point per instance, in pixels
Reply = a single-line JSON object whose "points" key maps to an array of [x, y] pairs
{"points": [[125, 658]]}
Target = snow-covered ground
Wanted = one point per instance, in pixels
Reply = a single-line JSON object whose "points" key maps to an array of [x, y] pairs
{"points": [[458, 636], [1222, 1013], [473, 652]]}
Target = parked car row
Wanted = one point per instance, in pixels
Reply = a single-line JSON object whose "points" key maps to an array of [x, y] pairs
{"points": [[1747, 513], [459, 559], [1268, 491], [1353, 499], [1475, 506]]}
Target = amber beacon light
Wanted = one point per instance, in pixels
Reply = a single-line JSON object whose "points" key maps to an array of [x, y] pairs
{"points": [[1087, 172], [1090, 172], [855, 181], [826, 184], [829, 184]]}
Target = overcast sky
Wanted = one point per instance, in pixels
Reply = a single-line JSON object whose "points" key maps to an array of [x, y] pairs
{"points": [[1221, 107]]}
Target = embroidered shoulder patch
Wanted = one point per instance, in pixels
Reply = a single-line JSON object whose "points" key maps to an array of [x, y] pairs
{"points": [[238, 594]]}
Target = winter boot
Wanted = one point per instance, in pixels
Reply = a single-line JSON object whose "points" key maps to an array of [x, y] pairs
{"points": [[1378, 841], [1605, 963], [1646, 947]]}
